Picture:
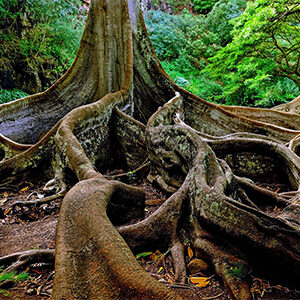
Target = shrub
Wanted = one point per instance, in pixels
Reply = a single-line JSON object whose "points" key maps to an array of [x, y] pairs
{"points": [[40, 35], [10, 95], [203, 6]]}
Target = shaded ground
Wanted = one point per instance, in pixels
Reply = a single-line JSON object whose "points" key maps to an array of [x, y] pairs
{"points": [[26, 228]]}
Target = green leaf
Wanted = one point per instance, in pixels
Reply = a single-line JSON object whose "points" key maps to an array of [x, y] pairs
{"points": [[143, 254]]}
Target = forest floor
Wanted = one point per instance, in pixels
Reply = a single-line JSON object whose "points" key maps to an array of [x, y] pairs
{"points": [[33, 228]]}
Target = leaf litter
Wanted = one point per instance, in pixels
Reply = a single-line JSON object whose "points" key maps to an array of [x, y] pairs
{"points": [[156, 263]]}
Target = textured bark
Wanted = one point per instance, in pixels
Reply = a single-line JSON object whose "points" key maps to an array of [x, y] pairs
{"points": [[113, 109]]}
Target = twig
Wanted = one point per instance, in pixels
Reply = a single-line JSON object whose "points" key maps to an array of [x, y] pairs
{"points": [[162, 260], [23, 259], [212, 297], [179, 286], [143, 165], [40, 201], [8, 187], [6, 183]]}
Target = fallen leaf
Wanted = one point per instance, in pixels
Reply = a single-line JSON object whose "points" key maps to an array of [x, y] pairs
{"points": [[160, 269], [190, 252], [25, 189], [156, 255], [5, 194], [2, 201], [200, 281], [38, 290], [202, 284], [143, 254], [37, 271], [7, 211]]}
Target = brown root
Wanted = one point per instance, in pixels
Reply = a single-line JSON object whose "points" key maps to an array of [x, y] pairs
{"points": [[232, 270], [21, 260], [199, 152], [102, 251]]}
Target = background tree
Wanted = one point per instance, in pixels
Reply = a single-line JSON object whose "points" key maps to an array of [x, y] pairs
{"points": [[202, 6], [261, 64], [116, 105], [39, 41]]}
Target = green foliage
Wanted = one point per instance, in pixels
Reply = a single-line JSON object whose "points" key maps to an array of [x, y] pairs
{"points": [[238, 270], [8, 10], [261, 64], [10, 95], [143, 254], [40, 32], [240, 53], [203, 6], [13, 276], [181, 37], [218, 20], [194, 82], [183, 44]]}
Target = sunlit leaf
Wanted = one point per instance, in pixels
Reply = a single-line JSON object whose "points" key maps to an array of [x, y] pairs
{"points": [[156, 255], [25, 189], [5, 194], [203, 284], [200, 281], [190, 252], [7, 211], [143, 254]]}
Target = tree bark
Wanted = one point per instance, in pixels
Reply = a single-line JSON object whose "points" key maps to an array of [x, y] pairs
{"points": [[113, 108]]}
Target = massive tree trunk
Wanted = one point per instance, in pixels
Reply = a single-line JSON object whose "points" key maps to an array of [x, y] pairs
{"points": [[116, 107]]}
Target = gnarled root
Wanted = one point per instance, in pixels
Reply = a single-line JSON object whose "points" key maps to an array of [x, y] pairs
{"points": [[87, 240], [20, 260], [231, 269], [221, 201]]}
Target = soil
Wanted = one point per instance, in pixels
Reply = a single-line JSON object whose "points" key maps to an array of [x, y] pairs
{"points": [[33, 227]]}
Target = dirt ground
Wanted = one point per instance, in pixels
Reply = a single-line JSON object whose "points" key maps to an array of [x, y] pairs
{"points": [[33, 227]]}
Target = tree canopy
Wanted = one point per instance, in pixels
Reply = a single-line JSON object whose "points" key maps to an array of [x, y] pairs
{"points": [[39, 41], [261, 64]]}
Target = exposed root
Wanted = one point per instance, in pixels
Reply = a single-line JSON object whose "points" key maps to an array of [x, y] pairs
{"points": [[177, 251], [20, 260], [159, 226], [232, 270], [294, 144], [44, 200], [11, 148], [187, 159], [87, 201], [261, 195]]}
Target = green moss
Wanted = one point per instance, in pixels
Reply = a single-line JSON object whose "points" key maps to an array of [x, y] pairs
{"points": [[251, 164], [225, 213]]}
